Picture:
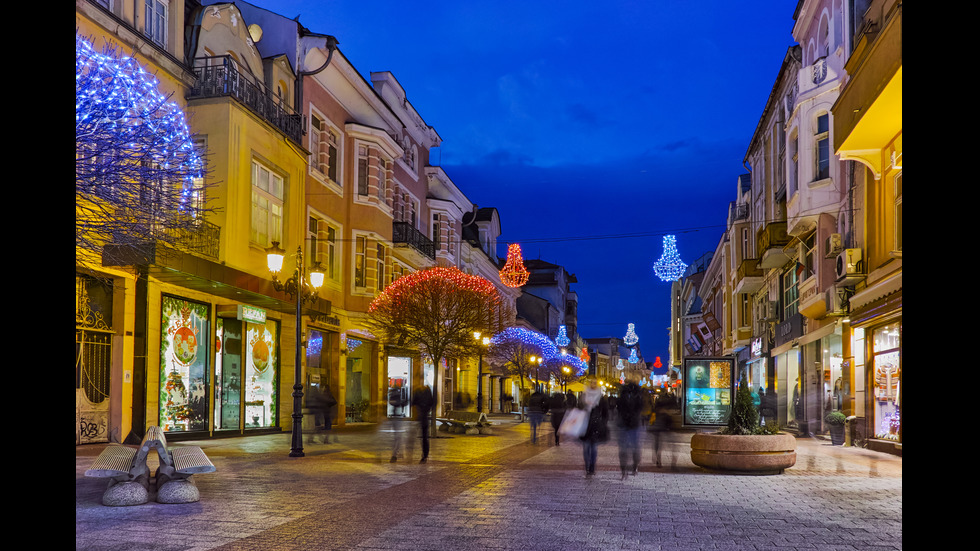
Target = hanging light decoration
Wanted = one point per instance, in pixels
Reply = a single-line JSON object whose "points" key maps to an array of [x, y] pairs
{"points": [[584, 356], [619, 364], [513, 274], [633, 357], [562, 338], [670, 267], [630, 339]]}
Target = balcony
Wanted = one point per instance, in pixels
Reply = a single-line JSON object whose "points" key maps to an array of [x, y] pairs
{"points": [[748, 276], [404, 233], [221, 76], [813, 303], [770, 242], [203, 239]]}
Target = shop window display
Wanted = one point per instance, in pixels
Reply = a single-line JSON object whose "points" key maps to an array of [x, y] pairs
{"points": [[183, 365], [887, 381]]}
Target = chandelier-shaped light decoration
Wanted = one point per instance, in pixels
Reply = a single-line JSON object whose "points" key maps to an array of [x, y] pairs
{"points": [[513, 274], [562, 338], [670, 267], [630, 339], [584, 356], [619, 364], [633, 357]]}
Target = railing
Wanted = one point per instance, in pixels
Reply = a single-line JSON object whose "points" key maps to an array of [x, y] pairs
{"points": [[772, 235], [221, 76], [748, 268], [404, 232], [203, 239]]}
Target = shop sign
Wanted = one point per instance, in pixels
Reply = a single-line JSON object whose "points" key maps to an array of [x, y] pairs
{"points": [[251, 314], [756, 347], [708, 391], [324, 319]]}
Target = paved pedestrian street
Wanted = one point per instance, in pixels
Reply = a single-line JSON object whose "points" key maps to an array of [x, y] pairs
{"points": [[499, 491]]}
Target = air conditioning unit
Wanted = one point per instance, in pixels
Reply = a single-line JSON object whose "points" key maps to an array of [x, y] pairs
{"points": [[849, 264], [834, 245]]}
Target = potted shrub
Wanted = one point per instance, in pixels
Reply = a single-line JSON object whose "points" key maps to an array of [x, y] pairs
{"points": [[835, 421], [744, 446]]}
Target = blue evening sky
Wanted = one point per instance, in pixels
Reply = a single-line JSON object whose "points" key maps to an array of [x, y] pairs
{"points": [[593, 127]]}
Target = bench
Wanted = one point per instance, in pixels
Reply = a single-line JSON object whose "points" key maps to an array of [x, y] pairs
{"points": [[130, 474], [466, 422]]}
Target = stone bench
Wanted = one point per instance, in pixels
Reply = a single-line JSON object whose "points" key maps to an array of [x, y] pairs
{"points": [[466, 422], [130, 475]]}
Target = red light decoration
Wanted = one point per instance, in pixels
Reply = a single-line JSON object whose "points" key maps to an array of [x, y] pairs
{"points": [[657, 363], [584, 356], [513, 273]]}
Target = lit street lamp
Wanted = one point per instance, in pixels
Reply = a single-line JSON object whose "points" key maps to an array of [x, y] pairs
{"points": [[482, 344], [296, 286]]}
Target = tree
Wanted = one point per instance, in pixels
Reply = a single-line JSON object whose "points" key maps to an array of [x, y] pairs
{"points": [[513, 347], [437, 310], [138, 177], [566, 368]]}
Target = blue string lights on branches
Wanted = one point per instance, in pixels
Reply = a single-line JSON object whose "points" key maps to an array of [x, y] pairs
{"points": [[670, 267]]}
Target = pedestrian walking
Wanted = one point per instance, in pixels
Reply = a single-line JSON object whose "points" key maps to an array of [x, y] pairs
{"points": [[628, 408], [423, 402], [328, 404], [316, 404], [660, 426], [556, 405], [597, 431], [535, 407]]}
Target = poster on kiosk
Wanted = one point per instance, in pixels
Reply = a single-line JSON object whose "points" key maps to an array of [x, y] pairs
{"points": [[708, 391]]}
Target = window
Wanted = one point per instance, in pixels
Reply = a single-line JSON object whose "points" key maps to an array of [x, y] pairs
{"points": [[155, 22], [898, 212], [822, 153], [745, 244], [323, 144], [794, 165], [790, 294], [362, 170], [360, 261], [323, 246], [435, 230], [267, 205], [381, 267], [382, 178]]}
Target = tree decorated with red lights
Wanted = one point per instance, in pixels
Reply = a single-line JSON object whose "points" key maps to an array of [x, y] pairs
{"points": [[437, 310]]}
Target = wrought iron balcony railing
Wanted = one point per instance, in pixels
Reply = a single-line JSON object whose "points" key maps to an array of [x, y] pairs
{"points": [[404, 232], [222, 76]]}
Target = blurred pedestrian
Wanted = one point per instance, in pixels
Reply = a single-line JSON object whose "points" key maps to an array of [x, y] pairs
{"points": [[660, 425], [423, 402], [329, 405], [595, 404], [570, 401], [315, 403], [536, 407], [628, 408], [556, 405]]}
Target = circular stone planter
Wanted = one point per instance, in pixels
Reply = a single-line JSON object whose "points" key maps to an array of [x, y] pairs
{"points": [[749, 454]]}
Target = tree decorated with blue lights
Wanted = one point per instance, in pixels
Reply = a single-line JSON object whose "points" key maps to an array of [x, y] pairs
{"points": [[512, 349], [138, 177], [670, 267], [566, 368]]}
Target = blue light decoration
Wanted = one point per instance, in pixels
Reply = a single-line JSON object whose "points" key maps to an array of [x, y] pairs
{"points": [[630, 339], [561, 360], [633, 357], [562, 338], [352, 344], [620, 365], [670, 267], [526, 337], [115, 95]]}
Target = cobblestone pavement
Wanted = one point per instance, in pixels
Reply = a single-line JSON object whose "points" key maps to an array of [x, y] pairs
{"points": [[500, 491]]}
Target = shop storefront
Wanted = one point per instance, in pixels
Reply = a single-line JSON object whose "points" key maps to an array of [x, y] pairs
{"points": [[244, 368], [886, 372], [399, 391], [876, 321], [359, 377]]}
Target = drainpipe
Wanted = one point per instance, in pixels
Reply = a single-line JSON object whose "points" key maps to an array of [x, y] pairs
{"points": [[331, 46]]}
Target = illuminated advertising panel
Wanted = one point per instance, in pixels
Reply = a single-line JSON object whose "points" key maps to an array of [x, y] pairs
{"points": [[708, 391]]}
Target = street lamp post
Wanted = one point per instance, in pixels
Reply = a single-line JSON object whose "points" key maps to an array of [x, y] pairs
{"points": [[303, 291], [482, 344]]}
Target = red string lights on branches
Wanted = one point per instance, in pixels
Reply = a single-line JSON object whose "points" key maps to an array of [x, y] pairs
{"points": [[514, 274]]}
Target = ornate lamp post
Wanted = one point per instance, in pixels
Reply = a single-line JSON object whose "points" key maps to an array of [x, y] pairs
{"points": [[482, 344], [296, 286]]}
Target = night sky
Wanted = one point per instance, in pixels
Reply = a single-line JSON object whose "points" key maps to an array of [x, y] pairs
{"points": [[593, 128]]}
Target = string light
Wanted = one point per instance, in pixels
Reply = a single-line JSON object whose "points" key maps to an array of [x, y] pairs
{"points": [[670, 267], [514, 274], [563, 360], [562, 338], [630, 339], [528, 338]]}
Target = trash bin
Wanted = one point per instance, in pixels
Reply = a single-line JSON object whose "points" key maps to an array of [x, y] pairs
{"points": [[849, 430]]}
